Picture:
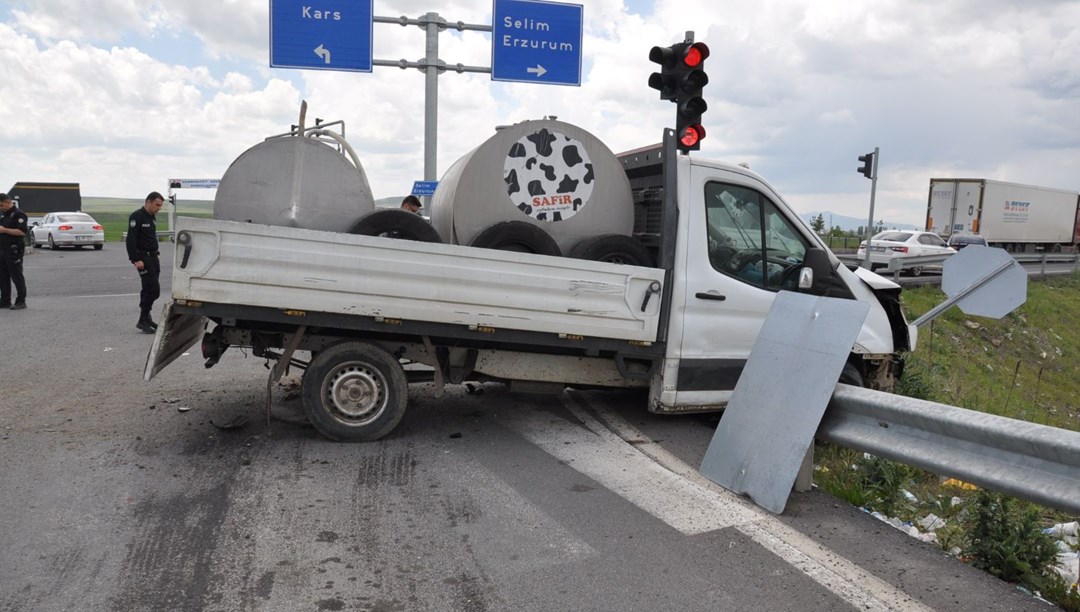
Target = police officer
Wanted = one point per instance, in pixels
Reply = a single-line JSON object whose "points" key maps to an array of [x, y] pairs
{"points": [[142, 248], [12, 246]]}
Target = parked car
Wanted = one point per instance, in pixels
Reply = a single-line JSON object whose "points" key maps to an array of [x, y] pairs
{"points": [[892, 244], [74, 229], [959, 241]]}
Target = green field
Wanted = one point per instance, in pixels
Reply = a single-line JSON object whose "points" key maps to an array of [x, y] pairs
{"points": [[112, 213]]}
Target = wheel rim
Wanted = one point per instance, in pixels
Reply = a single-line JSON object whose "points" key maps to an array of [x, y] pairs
{"points": [[618, 258], [355, 393]]}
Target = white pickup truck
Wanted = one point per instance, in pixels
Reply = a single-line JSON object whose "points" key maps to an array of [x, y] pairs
{"points": [[724, 241]]}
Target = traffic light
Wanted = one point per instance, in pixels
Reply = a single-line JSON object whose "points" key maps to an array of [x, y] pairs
{"points": [[867, 169], [681, 79]]}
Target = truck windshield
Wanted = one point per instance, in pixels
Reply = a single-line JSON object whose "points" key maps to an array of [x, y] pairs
{"points": [[750, 239]]}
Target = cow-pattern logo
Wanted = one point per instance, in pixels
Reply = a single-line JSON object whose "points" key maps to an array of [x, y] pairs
{"points": [[548, 175]]}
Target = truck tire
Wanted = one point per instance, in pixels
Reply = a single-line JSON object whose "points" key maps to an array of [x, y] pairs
{"points": [[613, 248], [354, 392], [850, 375], [517, 236], [396, 223]]}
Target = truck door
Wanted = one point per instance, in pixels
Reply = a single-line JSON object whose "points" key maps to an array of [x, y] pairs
{"points": [[742, 249]]}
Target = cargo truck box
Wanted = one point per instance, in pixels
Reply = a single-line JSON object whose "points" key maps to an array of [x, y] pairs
{"points": [[1021, 218]]}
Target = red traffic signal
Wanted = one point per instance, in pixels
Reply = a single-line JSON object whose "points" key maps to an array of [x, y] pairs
{"points": [[695, 54], [690, 136]]}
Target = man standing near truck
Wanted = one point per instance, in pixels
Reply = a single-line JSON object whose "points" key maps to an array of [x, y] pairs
{"points": [[142, 248], [12, 247]]}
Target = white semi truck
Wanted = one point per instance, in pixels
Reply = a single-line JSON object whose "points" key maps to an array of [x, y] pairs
{"points": [[1020, 218], [355, 311]]}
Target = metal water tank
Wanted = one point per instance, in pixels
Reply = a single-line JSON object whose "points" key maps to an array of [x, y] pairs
{"points": [[547, 173], [294, 181]]}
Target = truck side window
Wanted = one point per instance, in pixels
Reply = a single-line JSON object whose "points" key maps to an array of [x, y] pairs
{"points": [[749, 238]]}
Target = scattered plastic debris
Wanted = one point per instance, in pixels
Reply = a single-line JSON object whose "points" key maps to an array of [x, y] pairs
{"points": [[235, 422], [959, 484], [931, 522], [171, 400], [183, 408]]}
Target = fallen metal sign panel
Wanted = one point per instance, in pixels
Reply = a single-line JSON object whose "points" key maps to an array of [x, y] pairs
{"points": [[781, 396]]}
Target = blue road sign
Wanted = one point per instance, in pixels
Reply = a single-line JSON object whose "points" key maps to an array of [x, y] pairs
{"points": [[536, 42], [327, 35], [424, 188]]}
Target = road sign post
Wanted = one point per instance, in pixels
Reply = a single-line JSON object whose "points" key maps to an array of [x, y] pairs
{"points": [[332, 35], [536, 42]]}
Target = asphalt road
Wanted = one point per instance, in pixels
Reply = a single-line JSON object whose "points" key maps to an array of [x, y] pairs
{"points": [[117, 494]]}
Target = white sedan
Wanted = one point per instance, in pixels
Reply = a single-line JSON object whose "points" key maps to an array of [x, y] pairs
{"points": [[67, 229], [888, 245]]}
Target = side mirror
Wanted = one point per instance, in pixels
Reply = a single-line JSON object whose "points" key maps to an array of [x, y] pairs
{"points": [[816, 268]]}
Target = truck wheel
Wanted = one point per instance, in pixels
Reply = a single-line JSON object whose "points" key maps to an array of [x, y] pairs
{"points": [[396, 223], [613, 248], [517, 236], [354, 392], [850, 375]]}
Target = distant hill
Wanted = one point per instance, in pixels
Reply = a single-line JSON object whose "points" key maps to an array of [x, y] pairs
{"points": [[851, 223]]}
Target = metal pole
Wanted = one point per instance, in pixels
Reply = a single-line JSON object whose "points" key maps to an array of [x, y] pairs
{"points": [[870, 225], [431, 100]]}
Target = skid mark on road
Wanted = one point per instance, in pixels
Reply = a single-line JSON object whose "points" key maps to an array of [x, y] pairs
{"points": [[662, 485]]}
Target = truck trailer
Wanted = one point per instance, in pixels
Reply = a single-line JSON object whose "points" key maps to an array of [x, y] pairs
{"points": [[359, 313], [1018, 218]]}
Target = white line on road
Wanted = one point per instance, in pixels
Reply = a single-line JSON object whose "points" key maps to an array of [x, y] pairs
{"points": [[659, 483]]}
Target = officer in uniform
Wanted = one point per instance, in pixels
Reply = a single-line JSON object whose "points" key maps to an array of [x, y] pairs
{"points": [[142, 248], [12, 246]]}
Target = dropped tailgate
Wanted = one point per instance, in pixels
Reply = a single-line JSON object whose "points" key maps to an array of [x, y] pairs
{"points": [[176, 334]]}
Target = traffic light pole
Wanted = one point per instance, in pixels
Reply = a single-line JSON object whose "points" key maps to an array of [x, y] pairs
{"points": [[870, 225], [431, 66]]}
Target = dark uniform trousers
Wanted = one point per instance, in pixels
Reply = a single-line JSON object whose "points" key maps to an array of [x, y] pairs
{"points": [[11, 271], [151, 288]]}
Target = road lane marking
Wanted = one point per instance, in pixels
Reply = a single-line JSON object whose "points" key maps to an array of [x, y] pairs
{"points": [[656, 481]]}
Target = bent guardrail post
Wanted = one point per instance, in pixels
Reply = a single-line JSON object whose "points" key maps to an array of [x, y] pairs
{"points": [[1026, 460]]}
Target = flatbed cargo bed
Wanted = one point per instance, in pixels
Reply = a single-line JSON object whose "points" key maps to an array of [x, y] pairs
{"points": [[283, 268]]}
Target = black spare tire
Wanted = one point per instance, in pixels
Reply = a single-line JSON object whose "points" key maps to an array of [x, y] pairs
{"points": [[517, 236], [396, 223], [613, 248]]}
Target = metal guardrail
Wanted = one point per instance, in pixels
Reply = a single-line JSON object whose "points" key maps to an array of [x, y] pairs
{"points": [[1026, 460], [899, 264]]}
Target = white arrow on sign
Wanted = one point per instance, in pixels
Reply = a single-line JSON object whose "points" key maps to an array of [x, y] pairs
{"points": [[539, 70], [323, 52]]}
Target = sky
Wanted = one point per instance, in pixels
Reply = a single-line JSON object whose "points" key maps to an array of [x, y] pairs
{"points": [[120, 95]]}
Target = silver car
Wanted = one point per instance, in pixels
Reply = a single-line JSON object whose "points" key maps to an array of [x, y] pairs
{"points": [[888, 245], [73, 229]]}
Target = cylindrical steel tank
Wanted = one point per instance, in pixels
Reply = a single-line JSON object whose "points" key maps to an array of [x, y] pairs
{"points": [[547, 173], [294, 181]]}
